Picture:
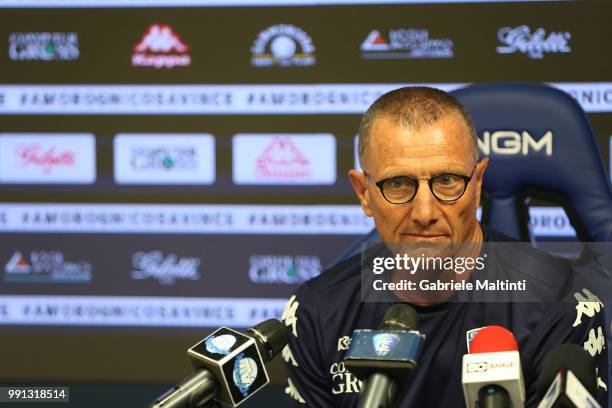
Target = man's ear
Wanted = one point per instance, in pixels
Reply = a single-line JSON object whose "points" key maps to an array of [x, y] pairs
{"points": [[481, 167], [360, 184]]}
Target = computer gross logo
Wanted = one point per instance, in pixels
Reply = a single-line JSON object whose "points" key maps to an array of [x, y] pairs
{"points": [[164, 158], [284, 269], [160, 47], [44, 46], [282, 45]]}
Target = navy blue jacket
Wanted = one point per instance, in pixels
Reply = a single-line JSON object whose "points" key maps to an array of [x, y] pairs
{"points": [[323, 313]]}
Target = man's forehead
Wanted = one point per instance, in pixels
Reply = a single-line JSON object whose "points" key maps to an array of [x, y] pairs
{"points": [[450, 132], [438, 147]]}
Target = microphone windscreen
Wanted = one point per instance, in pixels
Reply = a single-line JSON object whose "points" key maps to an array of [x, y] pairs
{"points": [[492, 339], [568, 357], [272, 336], [400, 316]]}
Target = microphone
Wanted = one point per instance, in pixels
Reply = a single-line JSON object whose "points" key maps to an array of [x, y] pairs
{"points": [[492, 375], [230, 367], [385, 357], [568, 379]]}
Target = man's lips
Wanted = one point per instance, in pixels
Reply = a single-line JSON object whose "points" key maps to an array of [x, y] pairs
{"points": [[426, 235]]}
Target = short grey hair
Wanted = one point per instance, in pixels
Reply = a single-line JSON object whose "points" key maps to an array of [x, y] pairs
{"points": [[414, 108]]}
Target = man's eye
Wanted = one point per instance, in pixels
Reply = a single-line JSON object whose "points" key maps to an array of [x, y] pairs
{"points": [[447, 179], [397, 182]]}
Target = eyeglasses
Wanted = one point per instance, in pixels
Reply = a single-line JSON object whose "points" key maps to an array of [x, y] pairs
{"points": [[446, 187]]}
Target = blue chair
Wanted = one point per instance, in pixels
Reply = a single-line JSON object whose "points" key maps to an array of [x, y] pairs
{"points": [[540, 145]]}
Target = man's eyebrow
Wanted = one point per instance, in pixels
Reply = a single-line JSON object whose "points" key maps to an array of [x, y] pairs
{"points": [[444, 170]]}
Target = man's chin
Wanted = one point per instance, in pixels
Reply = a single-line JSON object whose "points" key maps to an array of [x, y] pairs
{"points": [[436, 242], [438, 246], [425, 239]]}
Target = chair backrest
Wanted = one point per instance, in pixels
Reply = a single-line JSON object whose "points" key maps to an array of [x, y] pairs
{"points": [[540, 144]]}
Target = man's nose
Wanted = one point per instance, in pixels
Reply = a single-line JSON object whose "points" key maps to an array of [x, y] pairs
{"points": [[425, 210]]}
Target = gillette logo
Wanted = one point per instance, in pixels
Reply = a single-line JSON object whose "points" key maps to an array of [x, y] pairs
{"points": [[384, 343]]}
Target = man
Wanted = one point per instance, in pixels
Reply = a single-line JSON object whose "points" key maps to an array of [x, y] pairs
{"points": [[421, 182]]}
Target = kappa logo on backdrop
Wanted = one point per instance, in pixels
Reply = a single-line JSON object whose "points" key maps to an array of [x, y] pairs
{"points": [[161, 47], [282, 159], [282, 45]]}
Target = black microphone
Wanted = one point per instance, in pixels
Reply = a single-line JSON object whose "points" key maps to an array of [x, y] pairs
{"points": [[230, 367], [568, 379], [385, 357]]}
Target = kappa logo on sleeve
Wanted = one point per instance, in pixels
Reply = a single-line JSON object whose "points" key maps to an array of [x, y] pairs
{"points": [[600, 383], [288, 356], [293, 392], [589, 305], [289, 317], [596, 342]]}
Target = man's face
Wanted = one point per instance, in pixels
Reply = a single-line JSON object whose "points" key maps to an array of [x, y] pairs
{"points": [[438, 148]]}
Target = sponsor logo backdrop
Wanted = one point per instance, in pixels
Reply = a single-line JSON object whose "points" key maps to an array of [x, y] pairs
{"points": [[200, 154]]}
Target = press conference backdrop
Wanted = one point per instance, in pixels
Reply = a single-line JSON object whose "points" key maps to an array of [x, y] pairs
{"points": [[167, 167]]}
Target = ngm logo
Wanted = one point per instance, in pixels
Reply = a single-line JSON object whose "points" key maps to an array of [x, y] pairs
{"points": [[512, 142]]}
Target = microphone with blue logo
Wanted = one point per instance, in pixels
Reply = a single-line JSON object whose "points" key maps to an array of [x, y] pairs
{"points": [[385, 358], [229, 367]]}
